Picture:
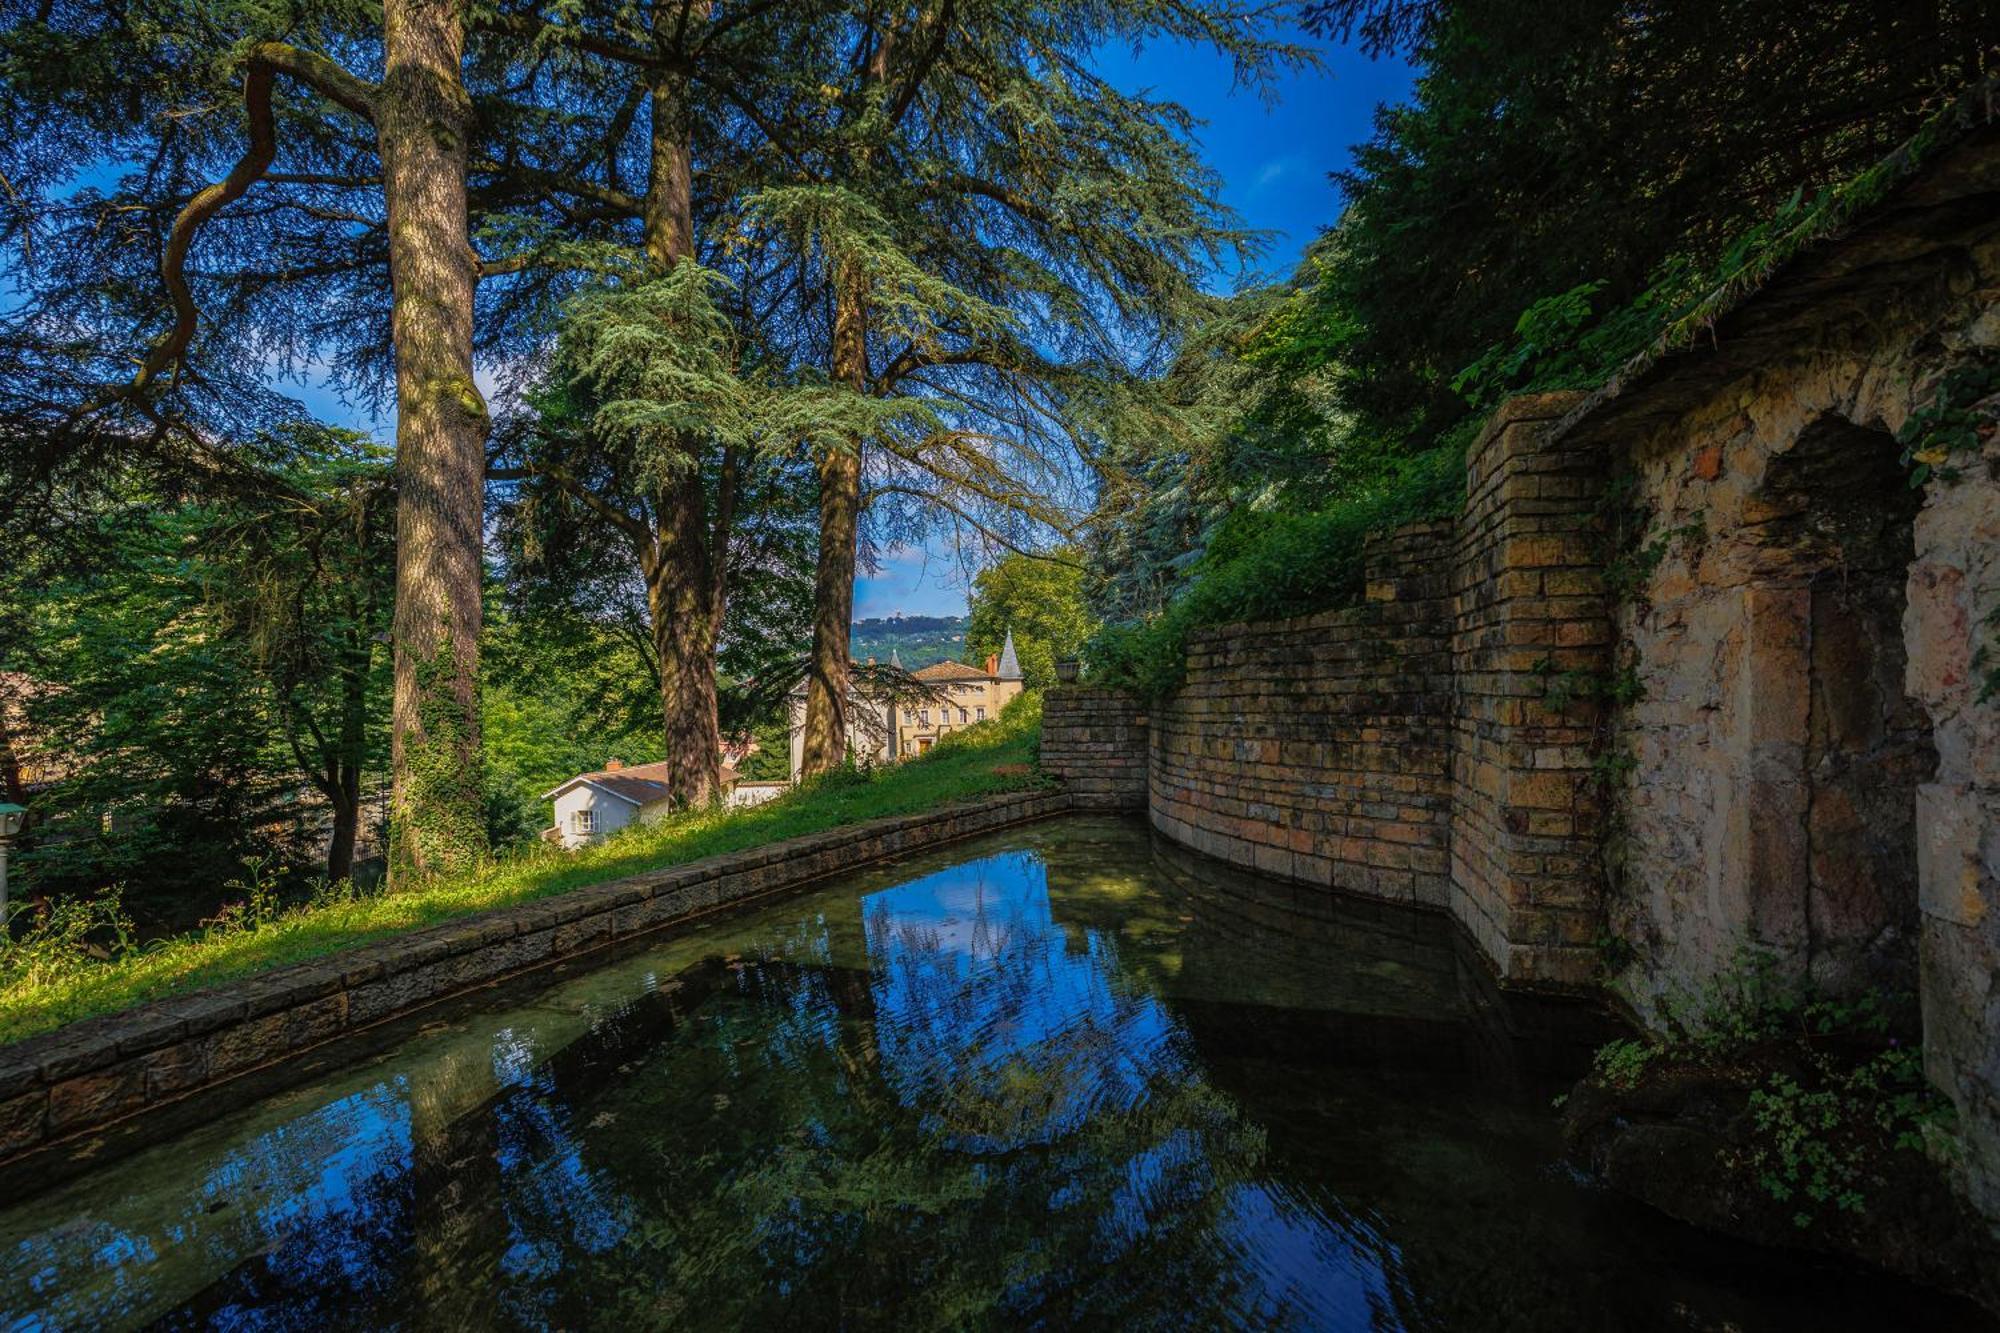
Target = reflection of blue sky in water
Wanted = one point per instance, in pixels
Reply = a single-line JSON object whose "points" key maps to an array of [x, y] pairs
{"points": [[1177, 1105], [310, 1195], [553, 1200], [982, 1007], [975, 979]]}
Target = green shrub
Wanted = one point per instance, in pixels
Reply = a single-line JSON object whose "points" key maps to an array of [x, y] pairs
{"points": [[1263, 565]]}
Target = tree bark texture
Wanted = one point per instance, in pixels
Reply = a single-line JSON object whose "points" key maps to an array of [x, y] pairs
{"points": [[827, 680], [424, 118], [684, 571]]}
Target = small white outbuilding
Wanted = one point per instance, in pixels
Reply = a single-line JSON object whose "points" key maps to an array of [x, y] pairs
{"points": [[591, 805]]}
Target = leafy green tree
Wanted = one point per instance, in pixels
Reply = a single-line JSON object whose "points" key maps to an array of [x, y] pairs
{"points": [[1040, 602], [656, 421], [205, 665], [344, 179], [301, 571], [968, 176], [1590, 142]]}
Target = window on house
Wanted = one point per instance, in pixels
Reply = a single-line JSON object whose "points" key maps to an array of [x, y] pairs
{"points": [[923, 717], [981, 712], [583, 821], [961, 717]]}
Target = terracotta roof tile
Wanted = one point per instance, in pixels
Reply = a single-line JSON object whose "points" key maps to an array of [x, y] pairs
{"points": [[949, 670]]}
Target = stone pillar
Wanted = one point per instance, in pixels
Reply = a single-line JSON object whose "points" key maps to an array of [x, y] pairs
{"points": [[1532, 652], [1954, 595], [1094, 740]]}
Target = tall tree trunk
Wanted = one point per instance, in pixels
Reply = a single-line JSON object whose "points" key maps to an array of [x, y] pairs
{"points": [[346, 827], [424, 120], [684, 643], [825, 745], [351, 755], [683, 573]]}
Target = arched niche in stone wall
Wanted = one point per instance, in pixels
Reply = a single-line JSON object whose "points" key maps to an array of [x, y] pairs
{"points": [[1835, 748]]}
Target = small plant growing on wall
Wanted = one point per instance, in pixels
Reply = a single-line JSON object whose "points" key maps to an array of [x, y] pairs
{"points": [[1808, 1095]]}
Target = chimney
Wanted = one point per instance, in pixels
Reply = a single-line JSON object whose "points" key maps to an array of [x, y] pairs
{"points": [[871, 661], [613, 764], [992, 664]]}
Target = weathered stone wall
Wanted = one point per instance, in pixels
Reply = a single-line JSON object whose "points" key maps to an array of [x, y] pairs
{"points": [[1318, 749], [1780, 743], [81, 1078], [1432, 745], [1812, 774], [1095, 740]]}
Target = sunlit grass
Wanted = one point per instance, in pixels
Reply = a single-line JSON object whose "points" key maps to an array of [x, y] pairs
{"points": [[990, 758]]}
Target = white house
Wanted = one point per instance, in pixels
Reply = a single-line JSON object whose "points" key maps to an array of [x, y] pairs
{"points": [[591, 805]]}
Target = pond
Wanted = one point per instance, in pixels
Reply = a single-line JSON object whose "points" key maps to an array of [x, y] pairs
{"points": [[1063, 1076]]}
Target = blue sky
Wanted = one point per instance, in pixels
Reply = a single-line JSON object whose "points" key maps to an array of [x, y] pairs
{"points": [[1273, 159]]}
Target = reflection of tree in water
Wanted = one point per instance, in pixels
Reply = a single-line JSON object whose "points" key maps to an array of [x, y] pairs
{"points": [[983, 1130]]}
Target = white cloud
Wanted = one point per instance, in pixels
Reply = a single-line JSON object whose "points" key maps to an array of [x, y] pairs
{"points": [[1276, 169]]}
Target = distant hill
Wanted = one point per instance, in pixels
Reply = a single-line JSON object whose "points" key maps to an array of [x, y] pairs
{"points": [[918, 640]]}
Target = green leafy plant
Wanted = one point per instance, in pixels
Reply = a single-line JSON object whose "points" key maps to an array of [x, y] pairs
{"points": [[1268, 566], [1828, 1088], [1961, 415], [61, 939]]}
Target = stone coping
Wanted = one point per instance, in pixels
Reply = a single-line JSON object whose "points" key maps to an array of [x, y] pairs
{"points": [[87, 1075]]}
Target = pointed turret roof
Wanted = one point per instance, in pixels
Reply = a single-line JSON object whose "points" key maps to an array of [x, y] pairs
{"points": [[895, 659], [1010, 665]]}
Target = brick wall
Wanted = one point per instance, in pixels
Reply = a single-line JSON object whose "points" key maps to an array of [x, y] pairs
{"points": [[1095, 741], [1418, 747], [1317, 749], [1530, 656]]}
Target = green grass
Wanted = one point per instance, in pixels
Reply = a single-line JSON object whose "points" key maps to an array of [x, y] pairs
{"points": [[49, 980]]}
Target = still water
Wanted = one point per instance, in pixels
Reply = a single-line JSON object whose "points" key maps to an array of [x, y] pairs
{"points": [[1062, 1077]]}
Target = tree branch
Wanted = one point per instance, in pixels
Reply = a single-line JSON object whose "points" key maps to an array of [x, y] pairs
{"points": [[573, 487], [264, 63]]}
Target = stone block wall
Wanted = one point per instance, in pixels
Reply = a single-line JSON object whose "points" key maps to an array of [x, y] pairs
{"points": [[1813, 772], [1095, 740], [1531, 660], [82, 1081], [1786, 739], [1317, 749], [1434, 744]]}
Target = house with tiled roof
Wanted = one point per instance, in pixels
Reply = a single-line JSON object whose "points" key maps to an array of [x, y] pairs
{"points": [[900, 720], [591, 805], [958, 696]]}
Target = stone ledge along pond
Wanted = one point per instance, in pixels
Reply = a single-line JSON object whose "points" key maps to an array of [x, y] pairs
{"points": [[1061, 1076]]}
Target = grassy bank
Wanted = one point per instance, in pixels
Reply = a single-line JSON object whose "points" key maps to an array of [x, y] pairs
{"points": [[57, 974]]}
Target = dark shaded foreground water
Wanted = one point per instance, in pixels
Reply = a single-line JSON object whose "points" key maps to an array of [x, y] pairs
{"points": [[1062, 1077]]}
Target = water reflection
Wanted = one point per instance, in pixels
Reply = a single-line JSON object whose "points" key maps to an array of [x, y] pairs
{"points": [[1066, 1077]]}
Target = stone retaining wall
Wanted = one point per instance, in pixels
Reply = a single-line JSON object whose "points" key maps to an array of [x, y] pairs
{"points": [[1433, 745], [1530, 662], [1094, 740], [1791, 719], [88, 1075], [1318, 749]]}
